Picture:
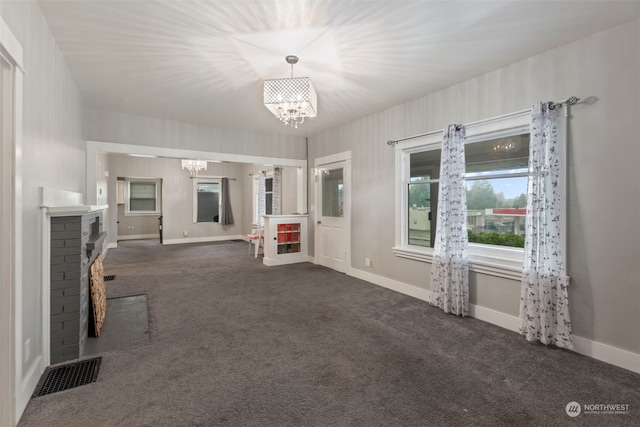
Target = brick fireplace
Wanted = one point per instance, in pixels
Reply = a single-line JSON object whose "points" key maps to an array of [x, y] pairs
{"points": [[76, 241]]}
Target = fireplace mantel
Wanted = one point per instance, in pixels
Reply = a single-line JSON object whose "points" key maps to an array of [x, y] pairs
{"points": [[65, 203]]}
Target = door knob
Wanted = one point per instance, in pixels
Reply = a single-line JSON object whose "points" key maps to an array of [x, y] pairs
{"points": [[319, 222]]}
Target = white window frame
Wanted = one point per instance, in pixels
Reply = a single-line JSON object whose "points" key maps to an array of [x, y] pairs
{"points": [[256, 199], [195, 182], [127, 208], [494, 260]]}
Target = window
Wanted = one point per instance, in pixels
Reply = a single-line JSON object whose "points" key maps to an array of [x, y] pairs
{"points": [[333, 192], [268, 196], [496, 157], [142, 196], [207, 200], [496, 192]]}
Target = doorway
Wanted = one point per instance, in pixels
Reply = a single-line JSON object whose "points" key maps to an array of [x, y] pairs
{"points": [[333, 218], [13, 399]]}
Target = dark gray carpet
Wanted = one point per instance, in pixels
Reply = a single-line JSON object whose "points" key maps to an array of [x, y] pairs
{"points": [[235, 343]]}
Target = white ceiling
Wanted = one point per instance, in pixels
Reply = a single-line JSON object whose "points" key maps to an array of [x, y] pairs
{"points": [[204, 61]]}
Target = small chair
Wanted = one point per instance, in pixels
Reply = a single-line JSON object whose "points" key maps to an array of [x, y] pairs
{"points": [[256, 238]]}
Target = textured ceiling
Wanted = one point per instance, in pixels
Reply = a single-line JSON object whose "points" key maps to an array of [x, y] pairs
{"points": [[204, 61]]}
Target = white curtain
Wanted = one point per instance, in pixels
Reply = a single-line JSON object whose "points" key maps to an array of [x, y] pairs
{"points": [[261, 198], [450, 267], [277, 191], [544, 309]]}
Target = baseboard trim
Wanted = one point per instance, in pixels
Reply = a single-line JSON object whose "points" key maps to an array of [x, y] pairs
{"points": [[107, 247], [394, 285], [201, 239], [139, 236], [495, 317], [605, 353], [28, 385]]}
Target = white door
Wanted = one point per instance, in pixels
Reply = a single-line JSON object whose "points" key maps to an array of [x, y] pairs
{"points": [[332, 227]]}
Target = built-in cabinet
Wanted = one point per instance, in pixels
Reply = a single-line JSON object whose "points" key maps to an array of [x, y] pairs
{"points": [[285, 239]]}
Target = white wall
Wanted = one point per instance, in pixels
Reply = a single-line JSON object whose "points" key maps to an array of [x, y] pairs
{"points": [[603, 185], [54, 156], [148, 131], [177, 192]]}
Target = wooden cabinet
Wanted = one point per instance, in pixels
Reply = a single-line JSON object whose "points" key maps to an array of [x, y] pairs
{"points": [[285, 239]]}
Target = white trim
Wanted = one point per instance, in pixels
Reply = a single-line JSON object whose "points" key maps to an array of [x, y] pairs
{"points": [[30, 381], [46, 286], [394, 285], [23, 396], [494, 317], [139, 237], [485, 259], [105, 249], [607, 353], [332, 158], [492, 266], [600, 351], [301, 189], [493, 127], [11, 44], [127, 197], [285, 259], [96, 147], [13, 399], [202, 239]]}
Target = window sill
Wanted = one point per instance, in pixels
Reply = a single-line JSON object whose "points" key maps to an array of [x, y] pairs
{"points": [[127, 213], [491, 265]]}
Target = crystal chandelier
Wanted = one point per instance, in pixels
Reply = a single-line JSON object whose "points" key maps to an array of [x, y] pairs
{"points": [[291, 100], [508, 146], [194, 166]]}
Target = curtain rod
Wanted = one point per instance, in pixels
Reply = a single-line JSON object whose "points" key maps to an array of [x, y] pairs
{"points": [[572, 100], [212, 177]]}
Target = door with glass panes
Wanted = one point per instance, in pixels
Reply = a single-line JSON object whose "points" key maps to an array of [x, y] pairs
{"points": [[331, 223]]}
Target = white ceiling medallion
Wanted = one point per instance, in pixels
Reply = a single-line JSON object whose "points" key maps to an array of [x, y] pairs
{"points": [[291, 99]]}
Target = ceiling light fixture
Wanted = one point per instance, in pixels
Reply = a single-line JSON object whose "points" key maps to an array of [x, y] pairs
{"points": [[194, 166], [292, 99]]}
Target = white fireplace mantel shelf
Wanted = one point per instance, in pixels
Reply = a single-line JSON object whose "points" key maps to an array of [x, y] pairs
{"points": [[65, 203]]}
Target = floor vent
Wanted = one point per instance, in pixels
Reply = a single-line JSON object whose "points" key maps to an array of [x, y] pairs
{"points": [[109, 277], [70, 375]]}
